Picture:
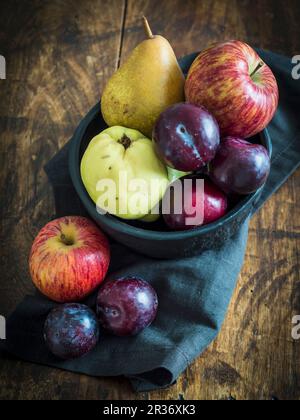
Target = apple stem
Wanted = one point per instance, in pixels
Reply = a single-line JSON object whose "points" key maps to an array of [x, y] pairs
{"points": [[65, 240], [147, 28], [259, 65]]}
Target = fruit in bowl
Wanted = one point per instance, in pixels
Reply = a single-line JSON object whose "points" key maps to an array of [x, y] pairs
{"points": [[236, 86], [145, 85], [240, 167], [154, 240], [122, 174], [186, 137], [126, 306], [69, 259], [71, 331], [201, 204]]}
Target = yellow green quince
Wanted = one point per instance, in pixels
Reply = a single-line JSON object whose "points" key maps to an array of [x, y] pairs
{"points": [[122, 173]]}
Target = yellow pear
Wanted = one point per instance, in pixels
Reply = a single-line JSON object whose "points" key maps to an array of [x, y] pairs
{"points": [[144, 86]]}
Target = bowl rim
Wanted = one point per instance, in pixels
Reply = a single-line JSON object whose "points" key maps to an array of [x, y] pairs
{"points": [[121, 226]]}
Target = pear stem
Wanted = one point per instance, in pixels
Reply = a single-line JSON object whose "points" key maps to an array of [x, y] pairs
{"points": [[147, 28]]}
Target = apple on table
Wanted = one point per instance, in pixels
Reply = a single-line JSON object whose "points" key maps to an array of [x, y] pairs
{"points": [[69, 259]]}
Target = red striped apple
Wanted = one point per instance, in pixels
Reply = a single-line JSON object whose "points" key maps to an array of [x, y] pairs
{"points": [[236, 86], [69, 258]]}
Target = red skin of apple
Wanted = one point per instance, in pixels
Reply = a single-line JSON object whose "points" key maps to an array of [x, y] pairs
{"points": [[69, 259], [236, 86], [215, 207], [186, 137]]}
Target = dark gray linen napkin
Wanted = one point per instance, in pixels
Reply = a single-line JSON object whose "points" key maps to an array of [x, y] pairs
{"points": [[194, 293]]}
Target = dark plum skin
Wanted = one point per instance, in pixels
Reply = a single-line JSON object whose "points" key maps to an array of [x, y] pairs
{"points": [[215, 207], [71, 331], [186, 137], [240, 167], [126, 306]]}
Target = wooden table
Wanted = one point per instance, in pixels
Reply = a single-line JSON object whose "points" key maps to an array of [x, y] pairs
{"points": [[59, 55]]}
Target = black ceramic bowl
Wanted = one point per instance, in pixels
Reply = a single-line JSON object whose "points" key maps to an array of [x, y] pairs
{"points": [[153, 239]]}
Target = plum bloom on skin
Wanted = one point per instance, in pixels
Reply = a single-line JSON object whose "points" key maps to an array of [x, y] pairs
{"points": [[71, 331], [127, 305], [240, 167]]}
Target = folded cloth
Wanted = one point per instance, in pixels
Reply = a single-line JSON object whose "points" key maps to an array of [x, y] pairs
{"points": [[194, 293]]}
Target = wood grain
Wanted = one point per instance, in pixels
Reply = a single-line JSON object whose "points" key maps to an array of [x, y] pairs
{"points": [[59, 56]]}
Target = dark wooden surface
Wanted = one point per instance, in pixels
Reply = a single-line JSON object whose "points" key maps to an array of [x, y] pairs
{"points": [[59, 55]]}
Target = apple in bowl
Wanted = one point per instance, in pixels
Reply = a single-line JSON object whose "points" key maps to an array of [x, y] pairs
{"points": [[69, 259], [236, 86], [200, 204]]}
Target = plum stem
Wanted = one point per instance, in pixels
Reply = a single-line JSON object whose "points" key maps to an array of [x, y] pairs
{"points": [[147, 28], [259, 65]]}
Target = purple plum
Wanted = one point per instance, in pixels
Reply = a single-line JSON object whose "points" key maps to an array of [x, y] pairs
{"points": [[126, 306], [239, 167], [186, 137], [71, 331]]}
